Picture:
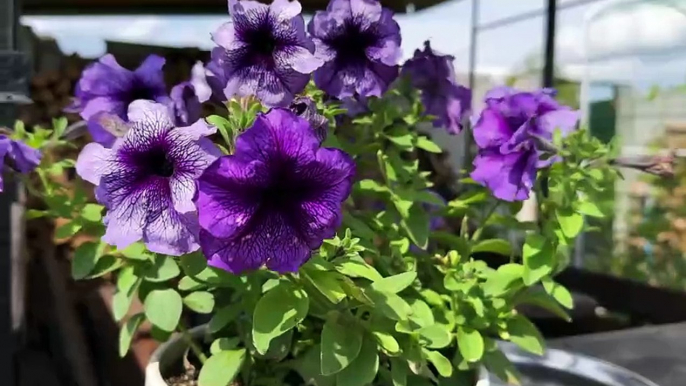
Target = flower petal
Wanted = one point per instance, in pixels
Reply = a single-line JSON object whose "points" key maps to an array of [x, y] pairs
{"points": [[563, 119], [510, 177], [92, 162], [491, 129], [150, 74], [157, 114], [332, 172], [228, 195], [103, 104], [298, 58], [171, 233], [284, 10]]}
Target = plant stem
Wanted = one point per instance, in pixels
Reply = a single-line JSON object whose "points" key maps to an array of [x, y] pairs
{"points": [[197, 350]]}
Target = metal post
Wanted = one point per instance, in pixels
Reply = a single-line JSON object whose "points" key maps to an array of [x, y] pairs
{"points": [[14, 70], [549, 62]]}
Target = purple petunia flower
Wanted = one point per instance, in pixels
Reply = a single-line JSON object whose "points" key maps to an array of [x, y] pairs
{"points": [[265, 51], [147, 179], [107, 86], [185, 104], [275, 199], [360, 44], [306, 108], [442, 97], [509, 132], [209, 82], [17, 156]]}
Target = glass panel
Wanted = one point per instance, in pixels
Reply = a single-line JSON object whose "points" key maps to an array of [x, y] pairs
{"points": [[492, 10], [637, 75], [511, 54]]}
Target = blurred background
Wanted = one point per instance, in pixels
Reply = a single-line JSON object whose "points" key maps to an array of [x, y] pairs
{"points": [[621, 62]]}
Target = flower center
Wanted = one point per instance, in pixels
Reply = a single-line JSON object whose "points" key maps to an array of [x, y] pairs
{"points": [[352, 42], [141, 92], [262, 44], [159, 163]]}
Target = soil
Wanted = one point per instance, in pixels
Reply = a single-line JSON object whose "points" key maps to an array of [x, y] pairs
{"points": [[188, 378]]}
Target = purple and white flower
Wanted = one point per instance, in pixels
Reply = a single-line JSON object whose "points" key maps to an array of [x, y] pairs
{"points": [[265, 51], [147, 179], [509, 132], [359, 43], [105, 86], [186, 105], [209, 82], [434, 76], [275, 199]]}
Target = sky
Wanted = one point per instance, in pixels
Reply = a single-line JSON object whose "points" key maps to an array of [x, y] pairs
{"points": [[638, 44]]}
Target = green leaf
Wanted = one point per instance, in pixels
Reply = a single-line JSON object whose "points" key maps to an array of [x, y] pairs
{"points": [[394, 284], [355, 266], [434, 336], [163, 308], [497, 363], [371, 186], [201, 302], [92, 212], [362, 371], [421, 313], [398, 372], [127, 283], [404, 141], [539, 258], [224, 344], [105, 265], [470, 343], [425, 143], [416, 225], [391, 305], [525, 335], [85, 258], [507, 278], [309, 368], [163, 268], [559, 293], [34, 213], [128, 330], [571, 223], [276, 312], [340, 345], [538, 297], [193, 263], [499, 246], [222, 318], [222, 368], [359, 227], [279, 347], [327, 283], [136, 251], [187, 283], [387, 342], [68, 230], [590, 209], [441, 363], [218, 121]]}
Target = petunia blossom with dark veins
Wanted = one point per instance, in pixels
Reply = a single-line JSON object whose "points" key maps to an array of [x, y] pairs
{"points": [[275, 199], [359, 42], [434, 76], [147, 179], [107, 86], [18, 156], [509, 133], [306, 108], [265, 51]]}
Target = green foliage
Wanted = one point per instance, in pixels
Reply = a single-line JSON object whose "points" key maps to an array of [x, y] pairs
{"points": [[386, 301]]}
